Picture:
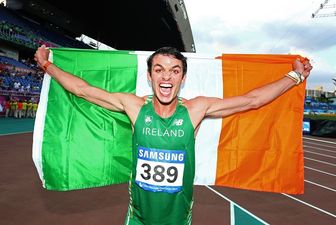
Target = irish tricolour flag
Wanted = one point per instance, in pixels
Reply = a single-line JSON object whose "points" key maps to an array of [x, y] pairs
{"points": [[80, 145]]}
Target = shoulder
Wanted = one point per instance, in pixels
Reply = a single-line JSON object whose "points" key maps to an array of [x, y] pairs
{"points": [[132, 105], [197, 108], [132, 99], [195, 103]]}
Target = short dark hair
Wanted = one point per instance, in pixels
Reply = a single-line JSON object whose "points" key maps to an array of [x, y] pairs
{"points": [[168, 51]]}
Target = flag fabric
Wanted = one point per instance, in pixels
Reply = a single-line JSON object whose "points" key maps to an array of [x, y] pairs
{"points": [[80, 145]]}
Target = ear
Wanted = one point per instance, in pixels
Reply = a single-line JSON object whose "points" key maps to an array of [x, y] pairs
{"points": [[149, 77], [184, 78]]}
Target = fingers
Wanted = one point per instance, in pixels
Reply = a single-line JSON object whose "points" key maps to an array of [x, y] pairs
{"points": [[43, 47], [39, 54], [307, 66], [35, 56], [305, 63], [298, 65], [303, 59]]}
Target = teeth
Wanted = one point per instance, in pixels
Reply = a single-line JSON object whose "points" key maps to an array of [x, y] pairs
{"points": [[166, 85]]}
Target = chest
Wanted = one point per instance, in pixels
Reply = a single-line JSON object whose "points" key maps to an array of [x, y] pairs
{"points": [[176, 129]]}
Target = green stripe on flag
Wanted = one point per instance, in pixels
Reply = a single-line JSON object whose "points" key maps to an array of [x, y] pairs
{"points": [[240, 216], [85, 145]]}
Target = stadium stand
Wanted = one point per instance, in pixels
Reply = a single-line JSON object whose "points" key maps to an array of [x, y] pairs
{"points": [[9, 61], [17, 29], [317, 108], [20, 78]]}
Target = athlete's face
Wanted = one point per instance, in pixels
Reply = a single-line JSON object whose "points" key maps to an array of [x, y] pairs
{"points": [[166, 77]]}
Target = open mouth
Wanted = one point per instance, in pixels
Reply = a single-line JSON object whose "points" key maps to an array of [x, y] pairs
{"points": [[165, 89]]}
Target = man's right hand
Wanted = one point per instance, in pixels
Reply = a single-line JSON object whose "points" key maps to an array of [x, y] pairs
{"points": [[41, 55]]}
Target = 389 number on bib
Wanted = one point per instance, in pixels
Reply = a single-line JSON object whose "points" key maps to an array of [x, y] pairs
{"points": [[160, 170], [159, 176], [159, 173]]}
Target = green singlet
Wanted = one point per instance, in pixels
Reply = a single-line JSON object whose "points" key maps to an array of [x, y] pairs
{"points": [[163, 169]]}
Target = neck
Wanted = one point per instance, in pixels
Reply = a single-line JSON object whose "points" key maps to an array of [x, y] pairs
{"points": [[164, 110]]}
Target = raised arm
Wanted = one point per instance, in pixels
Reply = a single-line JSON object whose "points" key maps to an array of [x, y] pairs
{"points": [[122, 102], [201, 107]]}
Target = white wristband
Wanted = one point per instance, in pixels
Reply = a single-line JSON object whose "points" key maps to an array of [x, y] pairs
{"points": [[296, 76]]}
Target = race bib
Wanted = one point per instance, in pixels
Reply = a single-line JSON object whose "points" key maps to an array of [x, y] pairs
{"points": [[160, 170]]}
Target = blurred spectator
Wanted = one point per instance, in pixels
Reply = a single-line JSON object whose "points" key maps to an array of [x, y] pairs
{"points": [[19, 109], [2, 108], [17, 85], [14, 108], [7, 108], [24, 108], [35, 105], [28, 88], [30, 109]]}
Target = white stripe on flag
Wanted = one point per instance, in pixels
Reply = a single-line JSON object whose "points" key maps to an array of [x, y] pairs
{"points": [[143, 86], [204, 77], [39, 124]]}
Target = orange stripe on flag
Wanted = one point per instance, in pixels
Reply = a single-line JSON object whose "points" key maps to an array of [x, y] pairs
{"points": [[261, 149]]}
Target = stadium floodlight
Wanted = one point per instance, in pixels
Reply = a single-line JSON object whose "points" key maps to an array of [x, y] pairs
{"points": [[94, 43], [326, 9]]}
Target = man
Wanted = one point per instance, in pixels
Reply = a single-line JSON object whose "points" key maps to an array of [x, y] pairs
{"points": [[29, 109], [164, 130], [24, 108], [8, 107]]}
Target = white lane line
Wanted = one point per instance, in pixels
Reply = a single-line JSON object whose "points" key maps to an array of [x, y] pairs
{"points": [[320, 185], [320, 149], [318, 144], [233, 203], [312, 206], [334, 157], [320, 171], [219, 194], [331, 164], [330, 142], [23, 132]]}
